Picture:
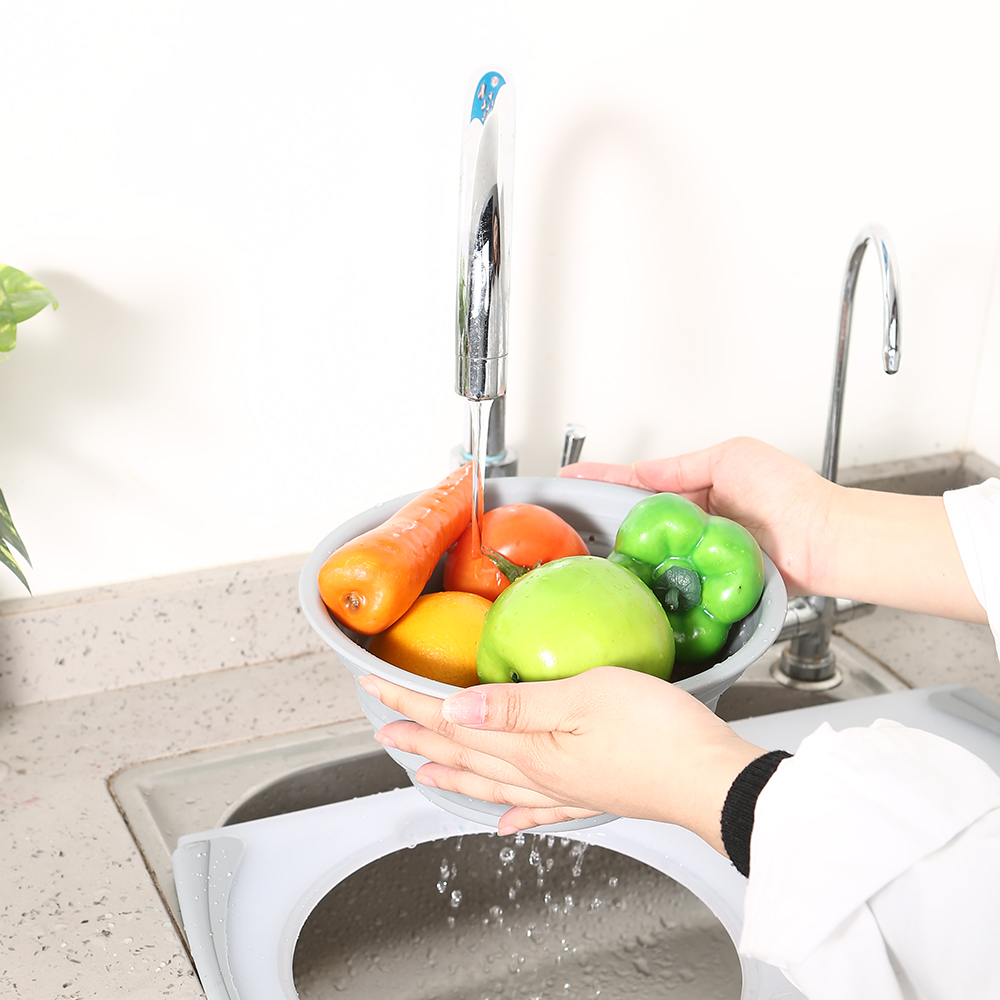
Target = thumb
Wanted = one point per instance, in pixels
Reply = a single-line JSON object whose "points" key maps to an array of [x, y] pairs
{"points": [[541, 706]]}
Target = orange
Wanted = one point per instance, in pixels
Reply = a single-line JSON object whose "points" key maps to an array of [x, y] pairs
{"points": [[436, 638]]}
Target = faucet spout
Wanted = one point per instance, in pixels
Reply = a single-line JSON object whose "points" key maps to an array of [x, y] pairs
{"points": [[878, 237], [484, 265], [484, 242]]}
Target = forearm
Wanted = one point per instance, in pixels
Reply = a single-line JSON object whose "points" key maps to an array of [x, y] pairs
{"points": [[893, 549]]}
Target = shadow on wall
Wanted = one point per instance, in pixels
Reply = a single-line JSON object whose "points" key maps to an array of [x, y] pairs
{"points": [[619, 268]]}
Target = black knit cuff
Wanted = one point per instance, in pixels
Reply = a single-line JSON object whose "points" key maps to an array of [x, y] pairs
{"points": [[738, 810]]}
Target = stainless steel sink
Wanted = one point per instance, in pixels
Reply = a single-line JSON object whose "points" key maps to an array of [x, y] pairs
{"points": [[927, 476], [476, 916], [486, 916], [601, 922]]}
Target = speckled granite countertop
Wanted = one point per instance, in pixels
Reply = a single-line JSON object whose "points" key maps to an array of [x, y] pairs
{"points": [[80, 916]]}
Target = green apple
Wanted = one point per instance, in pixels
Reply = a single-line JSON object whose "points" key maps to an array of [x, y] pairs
{"points": [[572, 614]]}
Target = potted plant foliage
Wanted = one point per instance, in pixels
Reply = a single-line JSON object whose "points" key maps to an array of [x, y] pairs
{"points": [[20, 298]]}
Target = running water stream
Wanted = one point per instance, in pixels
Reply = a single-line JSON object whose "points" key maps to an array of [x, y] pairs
{"points": [[479, 414]]}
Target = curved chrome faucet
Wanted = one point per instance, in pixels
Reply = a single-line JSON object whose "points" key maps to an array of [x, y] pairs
{"points": [[808, 660], [484, 260], [877, 236]]}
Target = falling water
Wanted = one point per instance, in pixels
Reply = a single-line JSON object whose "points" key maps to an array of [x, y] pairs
{"points": [[479, 414]]}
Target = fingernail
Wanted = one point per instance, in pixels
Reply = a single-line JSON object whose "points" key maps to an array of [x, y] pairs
{"points": [[466, 708], [424, 780], [506, 829], [385, 741], [366, 683]]}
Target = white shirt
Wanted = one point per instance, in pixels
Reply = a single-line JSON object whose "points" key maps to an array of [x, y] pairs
{"points": [[875, 854]]}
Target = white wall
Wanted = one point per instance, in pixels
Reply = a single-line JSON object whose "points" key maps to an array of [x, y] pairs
{"points": [[248, 214]]}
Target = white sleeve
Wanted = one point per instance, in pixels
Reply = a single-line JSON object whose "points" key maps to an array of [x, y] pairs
{"points": [[875, 868], [974, 514]]}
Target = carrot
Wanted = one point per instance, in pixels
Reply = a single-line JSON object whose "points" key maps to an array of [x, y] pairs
{"points": [[373, 579]]}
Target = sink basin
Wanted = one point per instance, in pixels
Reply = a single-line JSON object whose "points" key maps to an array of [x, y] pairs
{"points": [[519, 899], [485, 916], [483, 913], [927, 476]]}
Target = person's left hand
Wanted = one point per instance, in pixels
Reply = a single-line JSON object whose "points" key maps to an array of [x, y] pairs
{"points": [[606, 740]]}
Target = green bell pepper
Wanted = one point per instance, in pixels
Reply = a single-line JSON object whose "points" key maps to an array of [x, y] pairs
{"points": [[708, 572]]}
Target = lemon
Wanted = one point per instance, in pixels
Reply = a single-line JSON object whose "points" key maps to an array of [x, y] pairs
{"points": [[436, 638]]}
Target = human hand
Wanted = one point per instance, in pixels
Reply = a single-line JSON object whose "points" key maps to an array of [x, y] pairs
{"points": [[781, 501], [883, 548], [606, 740]]}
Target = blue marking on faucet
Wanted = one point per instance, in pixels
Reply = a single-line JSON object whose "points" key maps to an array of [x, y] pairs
{"points": [[485, 96]]}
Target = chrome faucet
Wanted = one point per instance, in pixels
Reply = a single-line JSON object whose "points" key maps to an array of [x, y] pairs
{"points": [[808, 660], [573, 440], [484, 264]]}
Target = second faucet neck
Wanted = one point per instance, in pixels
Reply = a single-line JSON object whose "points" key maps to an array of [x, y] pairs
{"points": [[878, 237]]}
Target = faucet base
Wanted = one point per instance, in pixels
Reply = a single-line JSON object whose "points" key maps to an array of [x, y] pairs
{"points": [[821, 674]]}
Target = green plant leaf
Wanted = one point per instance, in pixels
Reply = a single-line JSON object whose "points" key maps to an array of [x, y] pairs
{"points": [[13, 280], [8, 533], [21, 297], [31, 301], [9, 536], [8, 324], [11, 563]]}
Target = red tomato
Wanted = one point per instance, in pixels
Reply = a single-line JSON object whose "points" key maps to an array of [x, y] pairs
{"points": [[524, 533]]}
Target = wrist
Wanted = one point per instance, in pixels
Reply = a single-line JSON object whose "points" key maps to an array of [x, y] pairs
{"points": [[720, 768]]}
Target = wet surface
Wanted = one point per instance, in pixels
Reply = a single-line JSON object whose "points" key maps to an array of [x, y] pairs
{"points": [[513, 917], [747, 699]]}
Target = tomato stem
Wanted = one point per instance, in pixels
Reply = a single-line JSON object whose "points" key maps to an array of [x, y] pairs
{"points": [[509, 569]]}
